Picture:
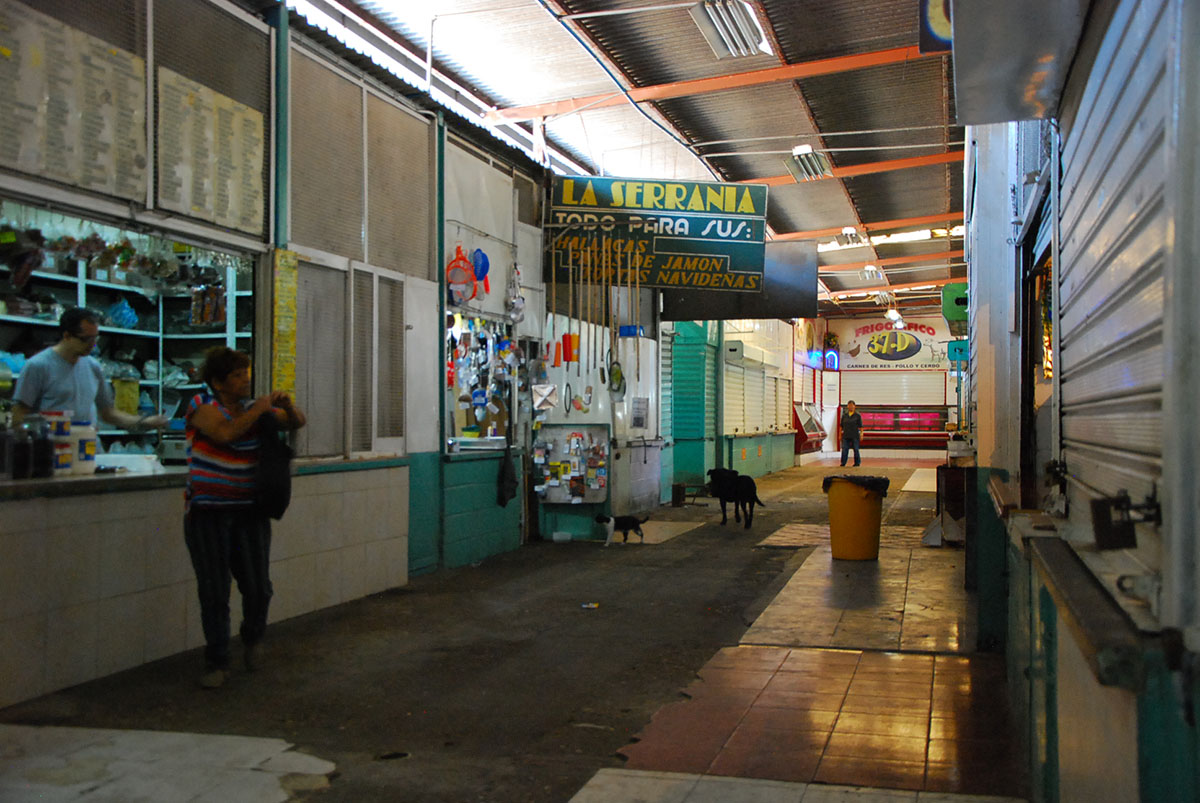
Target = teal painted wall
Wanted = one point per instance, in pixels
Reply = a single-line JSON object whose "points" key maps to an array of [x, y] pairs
{"points": [[578, 520], [666, 474], [693, 422], [777, 453], [475, 526], [991, 567], [424, 527], [1167, 744]]}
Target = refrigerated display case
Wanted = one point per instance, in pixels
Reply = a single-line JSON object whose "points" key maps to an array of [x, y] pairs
{"points": [[903, 427], [807, 423]]}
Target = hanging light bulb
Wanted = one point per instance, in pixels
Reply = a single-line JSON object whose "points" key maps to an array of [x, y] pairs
{"points": [[892, 314]]}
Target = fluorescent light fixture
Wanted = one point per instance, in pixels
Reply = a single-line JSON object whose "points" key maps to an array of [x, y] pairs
{"points": [[731, 28], [808, 165]]}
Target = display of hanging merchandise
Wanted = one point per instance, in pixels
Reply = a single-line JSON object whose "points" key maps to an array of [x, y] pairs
{"points": [[483, 365], [570, 463]]}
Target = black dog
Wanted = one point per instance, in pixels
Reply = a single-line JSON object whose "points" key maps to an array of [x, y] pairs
{"points": [[624, 524], [729, 486]]}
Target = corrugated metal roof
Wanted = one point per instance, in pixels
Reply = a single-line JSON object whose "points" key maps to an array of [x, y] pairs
{"points": [[518, 54]]}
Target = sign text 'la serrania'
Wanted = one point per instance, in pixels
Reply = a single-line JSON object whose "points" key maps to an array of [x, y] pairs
{"points": [[672, 234]]}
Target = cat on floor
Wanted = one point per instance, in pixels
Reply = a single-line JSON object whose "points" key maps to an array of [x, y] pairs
{"points": [[624, 525]]}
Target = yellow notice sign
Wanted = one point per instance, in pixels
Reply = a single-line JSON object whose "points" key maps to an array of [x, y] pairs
{"points": [[283, 335]]}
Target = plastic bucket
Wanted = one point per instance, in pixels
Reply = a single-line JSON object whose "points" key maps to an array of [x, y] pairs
{"points": [[855, 514]]}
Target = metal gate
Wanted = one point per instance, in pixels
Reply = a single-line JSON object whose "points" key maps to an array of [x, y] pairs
{"points": [[1113, 226]]}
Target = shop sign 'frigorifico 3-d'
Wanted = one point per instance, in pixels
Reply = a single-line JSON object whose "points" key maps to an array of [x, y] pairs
{"points": [[672, 234]]}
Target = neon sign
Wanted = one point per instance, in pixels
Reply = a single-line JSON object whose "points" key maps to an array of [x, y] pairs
{"points": [[831, 360]]}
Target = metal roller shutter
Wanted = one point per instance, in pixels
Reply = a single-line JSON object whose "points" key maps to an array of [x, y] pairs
{"points": [[1113, 233], [399, 190], [755, 420], [666, 393], [783, 404], [326, 159], [362, 376], [735, 399], [893, 387], [710, 391], [118, 22]]}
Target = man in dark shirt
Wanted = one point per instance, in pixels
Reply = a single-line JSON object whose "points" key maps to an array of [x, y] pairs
{"points": [[851, 433]]}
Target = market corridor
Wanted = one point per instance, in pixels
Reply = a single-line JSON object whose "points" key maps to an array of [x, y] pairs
{"points": [[712, 663]]}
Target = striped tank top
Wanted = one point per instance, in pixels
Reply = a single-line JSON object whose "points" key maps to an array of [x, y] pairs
{"points": [[219, 474]]}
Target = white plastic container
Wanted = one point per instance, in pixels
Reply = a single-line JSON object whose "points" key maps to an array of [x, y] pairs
{"points": [[83, 436], [60, 423], [64, 458]]}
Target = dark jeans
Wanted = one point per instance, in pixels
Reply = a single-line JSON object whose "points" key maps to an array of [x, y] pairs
{"points": [[847, 444], [226, 542]]}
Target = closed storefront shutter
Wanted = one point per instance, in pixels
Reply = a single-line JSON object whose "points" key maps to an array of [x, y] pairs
{"points": [[755, 420], [667, 391], [783, 404], [1113, 226], [735, 399], [893, 387]]}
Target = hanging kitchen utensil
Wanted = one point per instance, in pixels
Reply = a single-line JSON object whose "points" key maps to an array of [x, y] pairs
{"points": [[460, 277], [545, 396], [481, 264]]}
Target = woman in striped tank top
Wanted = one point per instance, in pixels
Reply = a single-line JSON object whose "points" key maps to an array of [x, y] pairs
{"points": [[226, 535]]}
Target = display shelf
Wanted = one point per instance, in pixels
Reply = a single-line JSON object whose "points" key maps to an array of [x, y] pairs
{"points": [[130, 288], [116, 330], [25, 319], [150, 344]]}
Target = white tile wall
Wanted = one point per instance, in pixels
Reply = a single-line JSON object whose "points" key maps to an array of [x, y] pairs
{"points": [[97, 584]]}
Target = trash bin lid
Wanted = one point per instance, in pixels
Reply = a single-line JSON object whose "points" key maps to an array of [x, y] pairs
{"points": [[877, 484]]}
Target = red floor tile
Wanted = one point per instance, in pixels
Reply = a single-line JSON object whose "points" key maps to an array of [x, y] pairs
{"points": [[871, 704], [977, 778], [893, 660], [772, 765], [799, 700], [891, 725], [877, 746], [970, 751], [719, 678], [764, 658], [853, 771], [809, 684], [891, 688], [669, 755], [789, 719]]}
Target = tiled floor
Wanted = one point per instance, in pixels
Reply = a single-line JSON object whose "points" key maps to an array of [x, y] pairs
{"points": [[841, 717], [912, 598], [801, 535], [611, 785]]}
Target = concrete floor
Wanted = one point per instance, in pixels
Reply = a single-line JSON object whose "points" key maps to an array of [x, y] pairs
{"points": [[496, 683]]}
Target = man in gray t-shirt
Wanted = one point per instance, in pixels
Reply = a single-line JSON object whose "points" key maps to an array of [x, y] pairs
{"points": [[66, 377]]}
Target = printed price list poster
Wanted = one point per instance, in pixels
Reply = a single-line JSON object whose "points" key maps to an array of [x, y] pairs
{"points": [[72, 107], [210, 154], [283, 343]]}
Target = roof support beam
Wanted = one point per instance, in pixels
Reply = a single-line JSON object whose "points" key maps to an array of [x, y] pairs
{"points": [[888, 288], [699, 86], [851, 171], [905, 260], [883, 225]]}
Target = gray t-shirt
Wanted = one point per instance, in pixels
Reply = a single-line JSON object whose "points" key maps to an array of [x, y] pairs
{"points": [[48, 382]]}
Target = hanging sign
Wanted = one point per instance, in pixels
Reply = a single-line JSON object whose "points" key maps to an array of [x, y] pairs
{"points": [[671, 234], [283, 320], [866, 344]]}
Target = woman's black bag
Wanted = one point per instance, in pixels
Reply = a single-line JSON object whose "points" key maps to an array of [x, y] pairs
{"points": [[273, 482]]}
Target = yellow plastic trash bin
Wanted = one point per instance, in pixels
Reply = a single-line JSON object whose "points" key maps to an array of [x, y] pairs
{"points": [[855, 514]]}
